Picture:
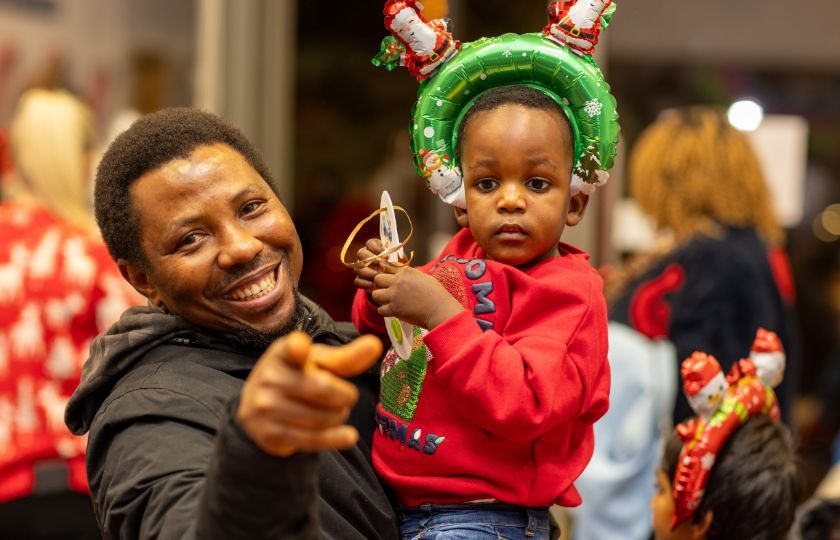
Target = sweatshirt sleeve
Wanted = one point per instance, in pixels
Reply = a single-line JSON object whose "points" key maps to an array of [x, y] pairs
{"points": [[365, 316], [549, 365]]}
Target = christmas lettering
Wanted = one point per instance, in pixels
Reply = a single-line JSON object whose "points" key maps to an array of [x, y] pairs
{"points": [[400, 432], [475, 269]]}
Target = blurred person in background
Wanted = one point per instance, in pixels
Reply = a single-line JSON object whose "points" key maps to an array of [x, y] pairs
{"points": [[58, 289], [717, 274], [720, 272]]}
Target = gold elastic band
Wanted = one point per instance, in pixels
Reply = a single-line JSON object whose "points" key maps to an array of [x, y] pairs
{"points": [[385, 253]]}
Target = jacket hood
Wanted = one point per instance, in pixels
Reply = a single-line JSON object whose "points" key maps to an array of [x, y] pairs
{"points": [[114, 353], [140, 330]]}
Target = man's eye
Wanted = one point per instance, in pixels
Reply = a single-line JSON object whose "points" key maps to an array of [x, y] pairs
{"points": [[188, 240], [538, 185], [251, 207]]}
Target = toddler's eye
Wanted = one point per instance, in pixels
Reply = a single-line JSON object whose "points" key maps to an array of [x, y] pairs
{"points": [[486, 184], [538, 185]]}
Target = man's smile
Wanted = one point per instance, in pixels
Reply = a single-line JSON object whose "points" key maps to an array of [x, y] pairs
{"points": [[255, 288]]}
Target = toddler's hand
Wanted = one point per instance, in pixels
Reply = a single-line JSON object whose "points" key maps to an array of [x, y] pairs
{"points": [[413, 296], [365, 275]]}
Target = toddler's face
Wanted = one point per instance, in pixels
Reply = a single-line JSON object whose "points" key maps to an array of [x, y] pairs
{"points": [[516, 163]]}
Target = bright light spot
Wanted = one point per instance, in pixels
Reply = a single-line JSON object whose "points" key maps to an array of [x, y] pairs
{"points": [[745, 115], [820, 231], [830, 219]]}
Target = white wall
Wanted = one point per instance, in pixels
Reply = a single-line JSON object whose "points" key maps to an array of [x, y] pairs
{"points": [[758, 32], [92, 36]]}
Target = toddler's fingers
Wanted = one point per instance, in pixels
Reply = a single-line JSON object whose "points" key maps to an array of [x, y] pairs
{"points": [[374, 245], [363, 284]]}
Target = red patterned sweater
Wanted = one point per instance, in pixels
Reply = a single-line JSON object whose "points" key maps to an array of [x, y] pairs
{"points": [[58, 289], [498, 402]]}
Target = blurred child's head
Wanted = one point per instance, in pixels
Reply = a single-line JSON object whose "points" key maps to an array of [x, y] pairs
{"points": [[515, 149], [752, 492]]}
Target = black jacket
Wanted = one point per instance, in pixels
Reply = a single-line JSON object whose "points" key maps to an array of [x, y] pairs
{"points": [[711, 295], [166, 458]]}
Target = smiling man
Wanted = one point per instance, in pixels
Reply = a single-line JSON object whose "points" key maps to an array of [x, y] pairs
{"points": [[218, 410], [220, 248]]}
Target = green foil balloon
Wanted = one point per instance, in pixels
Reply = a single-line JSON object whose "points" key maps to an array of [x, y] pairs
{"points": [[574, 81]]}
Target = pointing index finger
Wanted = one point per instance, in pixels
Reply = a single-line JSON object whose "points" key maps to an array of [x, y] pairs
{"points": [[293, 349], [350, 359]]}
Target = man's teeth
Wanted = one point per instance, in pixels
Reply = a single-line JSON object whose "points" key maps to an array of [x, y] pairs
{"points": [[256, 290]]}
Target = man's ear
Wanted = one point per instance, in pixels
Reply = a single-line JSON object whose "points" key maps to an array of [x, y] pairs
{"points": [[140, 281], [577, 207], [461, 217]]}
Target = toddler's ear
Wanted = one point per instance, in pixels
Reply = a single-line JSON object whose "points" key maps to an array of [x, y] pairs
{"points": [[461, 217], [577, 207]]}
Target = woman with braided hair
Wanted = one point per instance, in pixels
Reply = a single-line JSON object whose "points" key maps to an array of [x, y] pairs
{"points": [[722, 273]]}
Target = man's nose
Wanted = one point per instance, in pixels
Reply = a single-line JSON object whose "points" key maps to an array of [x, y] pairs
{"points": [[511, 198], [238, 246]]}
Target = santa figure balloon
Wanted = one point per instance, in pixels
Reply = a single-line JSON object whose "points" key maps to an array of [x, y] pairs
{"points": [[443, 178], [704, 383], [427, 44], [746, 395], [769, 357], [576, 23]]}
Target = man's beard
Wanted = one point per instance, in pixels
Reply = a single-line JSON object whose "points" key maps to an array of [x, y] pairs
{"points": [[255, 340]]}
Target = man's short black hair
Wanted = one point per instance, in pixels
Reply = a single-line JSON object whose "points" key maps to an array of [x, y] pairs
{"points": [[517, 94], [754, 487], [149, 143]]}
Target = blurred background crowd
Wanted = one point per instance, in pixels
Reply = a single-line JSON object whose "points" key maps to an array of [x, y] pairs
{"points": [[296, 77]]}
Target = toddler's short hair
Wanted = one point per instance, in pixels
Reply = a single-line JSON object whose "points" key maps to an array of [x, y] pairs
{"points": [[517, 94]]}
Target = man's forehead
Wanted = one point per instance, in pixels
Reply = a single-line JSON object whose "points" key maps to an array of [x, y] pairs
{"points": [[210, 170], [193, 168], [202, 159]]}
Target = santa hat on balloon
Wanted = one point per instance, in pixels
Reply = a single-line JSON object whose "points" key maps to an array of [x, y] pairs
{"points": [[704, 383], [768, 355], [393, 8]]}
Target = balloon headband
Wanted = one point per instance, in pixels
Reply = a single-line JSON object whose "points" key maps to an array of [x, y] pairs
{"points": [[556, 61], [723, 404]]}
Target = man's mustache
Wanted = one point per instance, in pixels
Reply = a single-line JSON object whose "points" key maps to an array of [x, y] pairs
{"points": [[235, 273]]}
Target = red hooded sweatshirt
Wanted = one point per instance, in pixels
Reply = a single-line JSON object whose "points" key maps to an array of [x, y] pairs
{"points": [[497, 402]]}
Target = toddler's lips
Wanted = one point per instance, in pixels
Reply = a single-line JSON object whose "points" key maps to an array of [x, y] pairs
{"points": [[511, 231]]}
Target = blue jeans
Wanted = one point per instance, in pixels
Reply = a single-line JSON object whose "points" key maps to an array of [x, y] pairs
{"points": [[473, 521]]}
